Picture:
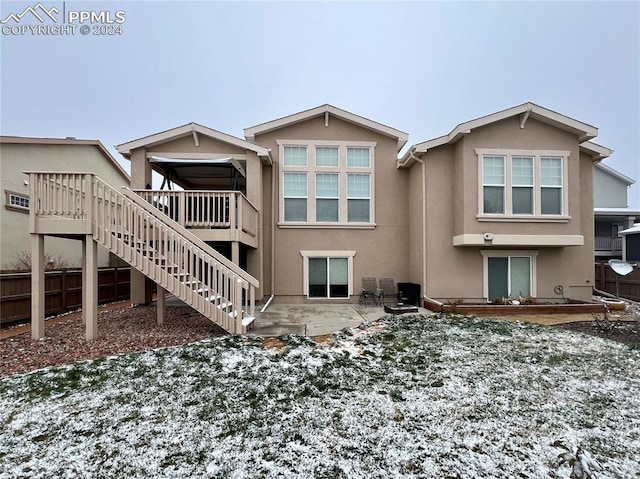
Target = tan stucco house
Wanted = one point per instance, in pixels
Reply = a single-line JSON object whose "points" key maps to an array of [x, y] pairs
{"points": [[18, 154], [305, 206]]}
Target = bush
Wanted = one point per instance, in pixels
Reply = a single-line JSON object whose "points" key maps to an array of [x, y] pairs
{"points": [[52, 261]]}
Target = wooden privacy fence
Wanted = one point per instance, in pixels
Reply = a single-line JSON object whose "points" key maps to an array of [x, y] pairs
{"points": [[629, 285], [63, 291]]}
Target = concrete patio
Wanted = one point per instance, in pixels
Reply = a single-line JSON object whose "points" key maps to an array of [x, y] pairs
{"points": [[309, 319], [314, 319]]}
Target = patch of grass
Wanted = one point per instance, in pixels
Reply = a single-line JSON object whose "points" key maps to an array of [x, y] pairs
{"points": [[425, 396]]}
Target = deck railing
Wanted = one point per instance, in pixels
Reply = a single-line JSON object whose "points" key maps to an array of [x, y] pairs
{"points": [[205, 208], [608, 243], [153, 243], [60, 194]]}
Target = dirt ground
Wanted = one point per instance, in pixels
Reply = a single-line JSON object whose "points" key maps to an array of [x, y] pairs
{"points": [[621, 326], [125, 329]]}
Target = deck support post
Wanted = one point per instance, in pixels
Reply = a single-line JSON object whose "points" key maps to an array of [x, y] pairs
{"points": [[161, 304], [90, 288], [235, 252], [37, 286], [141, 179]]}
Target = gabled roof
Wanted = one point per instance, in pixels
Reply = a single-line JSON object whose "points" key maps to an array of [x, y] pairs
{"points": [[615, 174], [597, 152], [527, 110], [68, 141], [400, 136], [191, 129]]}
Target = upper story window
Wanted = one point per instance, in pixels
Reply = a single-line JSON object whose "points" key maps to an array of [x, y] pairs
{"points": [[358, 197], [327, 183], [327, 197], [17, 201], [493, 184], [551, 185], [523, 184], [295, 196], [295, 156]]}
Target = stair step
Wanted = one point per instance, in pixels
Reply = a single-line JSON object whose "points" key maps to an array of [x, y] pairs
{"points": [[247, 320]]}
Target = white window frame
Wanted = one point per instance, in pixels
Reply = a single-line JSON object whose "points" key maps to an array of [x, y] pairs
{"points": [[342, 170], [296, 197], [326, 254], [348, 198], [553, 187], [335, 198], [486, 254], [531, 186], [13, 200], [537, 215], [502, 184]]}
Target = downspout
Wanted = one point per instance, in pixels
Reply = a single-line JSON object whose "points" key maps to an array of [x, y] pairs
{"points": [[424, 220], [274, 198]]}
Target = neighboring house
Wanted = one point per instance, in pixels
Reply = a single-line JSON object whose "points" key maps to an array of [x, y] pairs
{"points": [[503, 206], [19, 154], [612, 213], [308, 204]]}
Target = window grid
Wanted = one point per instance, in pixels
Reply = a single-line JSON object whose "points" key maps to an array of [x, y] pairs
{"points": [[327, 156], [358, 186], [19, 201], [295, 156], [358, 157], [493, 170], [522, 170], [551, 171], [327, 185], [295, 185]]}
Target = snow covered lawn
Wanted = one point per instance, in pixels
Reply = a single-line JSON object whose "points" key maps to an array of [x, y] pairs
{"points": [[441, 397]]}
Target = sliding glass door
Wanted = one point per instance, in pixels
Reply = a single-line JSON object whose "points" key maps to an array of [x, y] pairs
{"points": [[328, 277], [509, 276]]}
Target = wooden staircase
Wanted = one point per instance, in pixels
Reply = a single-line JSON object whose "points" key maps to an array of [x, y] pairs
{"points": [[147, 239]]}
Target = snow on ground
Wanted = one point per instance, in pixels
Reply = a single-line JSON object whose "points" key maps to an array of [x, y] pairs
{"points": [[445, 397]]}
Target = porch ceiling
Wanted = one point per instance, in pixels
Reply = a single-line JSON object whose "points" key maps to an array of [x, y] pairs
{"points": [[191, 174]]}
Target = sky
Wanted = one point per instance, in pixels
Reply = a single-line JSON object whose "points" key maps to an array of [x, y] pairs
{"points": [[420, 67]]}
